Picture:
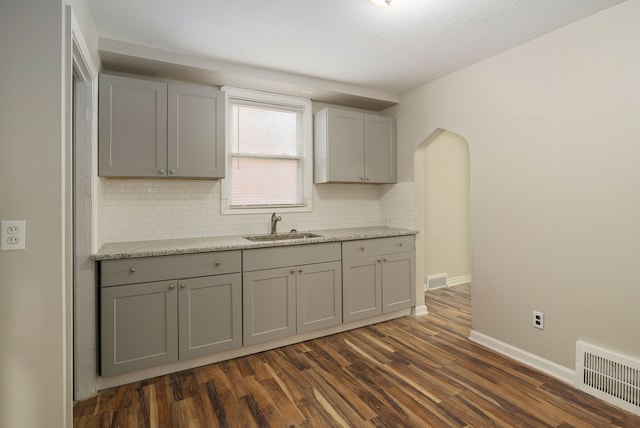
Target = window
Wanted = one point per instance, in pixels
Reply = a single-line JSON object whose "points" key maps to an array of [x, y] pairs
{"points": [[268, 153]]}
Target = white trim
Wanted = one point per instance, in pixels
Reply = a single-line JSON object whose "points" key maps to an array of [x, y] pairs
{"points": [[81, 55], [563, 374], [307, 148], [459, 280], [84, 212], [419, 310]]}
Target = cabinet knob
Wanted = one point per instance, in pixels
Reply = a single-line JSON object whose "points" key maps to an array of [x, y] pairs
{"points": [[172, 171], [161, 172], [379, 260], [299, 270], [183, 285], [384, 260], [292, 271], [172, 286], [361, 248], [361, 178], [218, 262], [367, 179], [401, 244], [133, 269]]}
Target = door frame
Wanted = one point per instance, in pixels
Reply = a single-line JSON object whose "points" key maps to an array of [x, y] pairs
{"points": [[82, 181]]}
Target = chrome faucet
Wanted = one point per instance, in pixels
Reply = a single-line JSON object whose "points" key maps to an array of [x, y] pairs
{"points": [[274, 223]]}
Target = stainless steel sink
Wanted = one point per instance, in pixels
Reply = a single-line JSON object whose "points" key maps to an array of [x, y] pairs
{"points": [[281, 236]]}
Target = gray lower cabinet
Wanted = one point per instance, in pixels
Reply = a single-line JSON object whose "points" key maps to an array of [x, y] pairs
{"points": [[362, 288], [153, 323], [139, 326], [149, 128], [210, 315], [319, 296], [269, 298], [280, 301], [378, 276]]}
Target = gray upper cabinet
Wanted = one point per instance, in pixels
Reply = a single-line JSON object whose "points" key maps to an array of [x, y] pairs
{"points": [[132, 127], [379, 149], [195, 131], [149, 128], [351, 146]]}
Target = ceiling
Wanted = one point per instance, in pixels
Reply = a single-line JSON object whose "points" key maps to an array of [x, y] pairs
{"points": [[349, 52]]}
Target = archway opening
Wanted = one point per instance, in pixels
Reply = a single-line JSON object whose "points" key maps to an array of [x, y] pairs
{"points": [[442, 186]]}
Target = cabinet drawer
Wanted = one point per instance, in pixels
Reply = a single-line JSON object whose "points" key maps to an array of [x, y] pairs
{"points": [[146, 269], [372, 247], [268, 258]]}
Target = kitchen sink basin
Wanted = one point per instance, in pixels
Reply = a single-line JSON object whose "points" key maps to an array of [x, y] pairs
{"points": [[281, 236]]}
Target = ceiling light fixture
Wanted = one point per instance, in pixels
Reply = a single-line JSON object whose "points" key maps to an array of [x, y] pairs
{"points": [[385, 3]]}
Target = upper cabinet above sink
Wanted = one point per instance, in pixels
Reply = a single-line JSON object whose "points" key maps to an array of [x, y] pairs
{"points": [[354, 147], [150, 128]]}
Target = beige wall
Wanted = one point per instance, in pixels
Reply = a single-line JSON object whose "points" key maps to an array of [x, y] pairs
{"points": [[34, 390], [446, 206], [35, 287], [552, 127]]}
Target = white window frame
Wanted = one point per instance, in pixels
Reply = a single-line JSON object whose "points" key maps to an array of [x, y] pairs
{"points": [[305, 105]]}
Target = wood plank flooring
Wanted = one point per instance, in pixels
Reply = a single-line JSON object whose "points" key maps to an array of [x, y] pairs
{"points": [[410, 372]]}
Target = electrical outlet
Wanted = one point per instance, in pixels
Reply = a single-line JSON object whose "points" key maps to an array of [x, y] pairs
{"points": [[13, 235], [538, 320]]}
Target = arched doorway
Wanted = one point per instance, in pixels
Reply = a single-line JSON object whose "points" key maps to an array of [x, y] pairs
{"points": [[443, 244]]}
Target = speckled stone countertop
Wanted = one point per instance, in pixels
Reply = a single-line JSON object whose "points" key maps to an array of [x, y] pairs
{"points": [[126, 250]]}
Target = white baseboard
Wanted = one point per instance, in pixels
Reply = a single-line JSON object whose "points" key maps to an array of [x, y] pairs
{"points": [[459, 280], [419, 310], [550, 368]]}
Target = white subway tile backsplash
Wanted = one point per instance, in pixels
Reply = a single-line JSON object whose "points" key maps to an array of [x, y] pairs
{"points": [[397, 203], [136, 210]]}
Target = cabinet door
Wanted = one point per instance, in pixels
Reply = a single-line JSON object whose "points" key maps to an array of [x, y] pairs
{"points": [[398, 285], [380, 149], [269, 305], [195, 131], [139, 326], [361, 288], [132, 136], [319, 295], [344, 146], [210, 315]]}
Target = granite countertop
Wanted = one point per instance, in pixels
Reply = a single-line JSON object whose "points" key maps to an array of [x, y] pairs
{"points": [[126, 250]]}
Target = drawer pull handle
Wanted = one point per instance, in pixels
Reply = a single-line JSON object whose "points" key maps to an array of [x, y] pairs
{"points": [[132, 269], [218, 262], [183, 285]]}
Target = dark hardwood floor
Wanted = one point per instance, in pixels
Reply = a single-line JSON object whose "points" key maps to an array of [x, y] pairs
{"points": [[410, 372]]}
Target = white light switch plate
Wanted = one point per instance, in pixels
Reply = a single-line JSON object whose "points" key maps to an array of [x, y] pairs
{"points": [[13, 235]]}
